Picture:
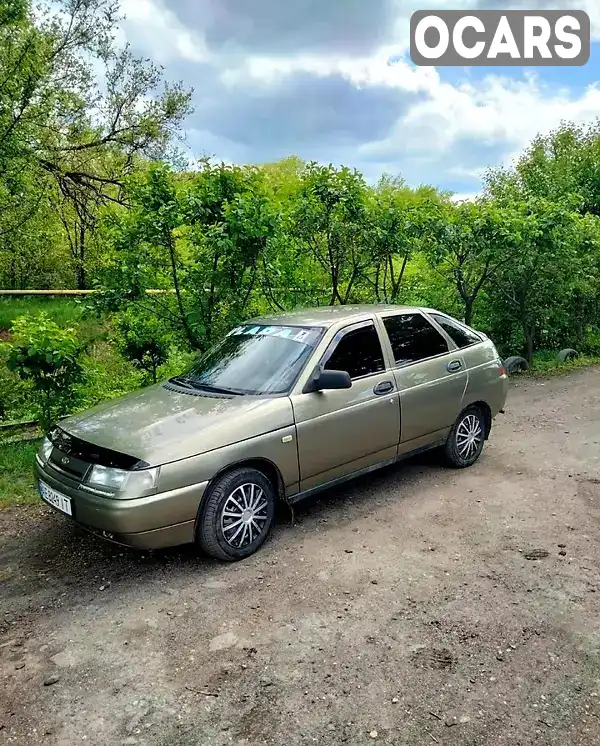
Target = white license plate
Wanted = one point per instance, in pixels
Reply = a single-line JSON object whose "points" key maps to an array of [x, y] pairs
{"points": [[55, 498]]}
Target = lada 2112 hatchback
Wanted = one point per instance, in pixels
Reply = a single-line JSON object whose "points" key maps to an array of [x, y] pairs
{"points": [[281, 407]]}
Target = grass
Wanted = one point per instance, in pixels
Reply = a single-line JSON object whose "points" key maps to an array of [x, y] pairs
{"points": [[546, 364], [65, 311], [108, 375], [16, 473]]}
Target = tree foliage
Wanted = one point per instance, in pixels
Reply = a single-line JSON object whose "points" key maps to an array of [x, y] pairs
{"points": [[144, 341], [200, 239], [48, 356], [66, 139], [93, 194]]}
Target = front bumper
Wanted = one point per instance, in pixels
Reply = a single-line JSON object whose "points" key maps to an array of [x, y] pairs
{"points": [[161, 520]]}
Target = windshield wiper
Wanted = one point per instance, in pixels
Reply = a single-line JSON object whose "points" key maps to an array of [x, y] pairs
{"points": [[181, 381], [188, 383], [218, 389]]}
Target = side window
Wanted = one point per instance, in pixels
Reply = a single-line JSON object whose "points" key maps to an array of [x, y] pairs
{"points": [[413, 338], [358, 352], [459, 334]]}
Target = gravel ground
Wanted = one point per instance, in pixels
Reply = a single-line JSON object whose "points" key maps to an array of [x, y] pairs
{"points": [[419, 605]]}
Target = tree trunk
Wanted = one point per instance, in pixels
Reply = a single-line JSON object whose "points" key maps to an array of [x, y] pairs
{"points": [[468, 311], [189, 333], [398, 283], [80, 259], [335, 291], [529, 342]]}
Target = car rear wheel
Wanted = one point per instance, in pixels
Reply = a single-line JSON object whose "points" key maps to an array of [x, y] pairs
{"points": [[237, 515], [466, 439]]}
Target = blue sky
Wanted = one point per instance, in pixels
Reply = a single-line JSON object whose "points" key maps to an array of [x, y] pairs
{"points": [[273, 78]]}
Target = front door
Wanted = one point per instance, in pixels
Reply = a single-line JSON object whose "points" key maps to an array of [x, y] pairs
{"points": [[343, 431], [430, 377]]}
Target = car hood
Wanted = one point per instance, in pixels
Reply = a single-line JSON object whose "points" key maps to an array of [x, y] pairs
{"points": [[159, 425]]}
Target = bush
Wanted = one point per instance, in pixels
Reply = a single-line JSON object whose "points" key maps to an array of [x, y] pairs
{"points": [[48, 356], [15, 394], [107, 375], [177, 363], [143, 340]]}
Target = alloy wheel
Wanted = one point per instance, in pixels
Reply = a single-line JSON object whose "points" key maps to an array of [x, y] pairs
{"points": [[469, 435], [244, 515]]}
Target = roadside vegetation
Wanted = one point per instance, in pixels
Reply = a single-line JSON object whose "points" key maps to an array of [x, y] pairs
{"points": [[16, 472], [94, 194]]}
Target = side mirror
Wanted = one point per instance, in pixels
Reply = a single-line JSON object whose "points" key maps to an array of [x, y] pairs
{"points": [[328, 380]]}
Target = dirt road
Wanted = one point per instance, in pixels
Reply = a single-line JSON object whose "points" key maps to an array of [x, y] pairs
{"points": [[416, 606]]}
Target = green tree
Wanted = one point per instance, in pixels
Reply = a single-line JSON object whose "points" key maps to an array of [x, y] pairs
{"points": [[399, 220], [288, 273], [200, 239], [48, 356], [330, 220], [537, 287], [231, 220], [564, 164], [62, 133], [469, 243], [143, 340]]}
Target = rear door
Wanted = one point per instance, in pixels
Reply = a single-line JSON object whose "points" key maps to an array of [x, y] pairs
{"points": [[343, 431], [431, 377]]}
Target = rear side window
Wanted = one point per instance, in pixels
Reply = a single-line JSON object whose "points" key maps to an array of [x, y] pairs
{"points": [[459, 334], [358, 352], [413, 338]]}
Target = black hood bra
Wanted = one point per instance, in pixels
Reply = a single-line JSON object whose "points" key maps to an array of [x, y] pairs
{"points": [[81, 450]]}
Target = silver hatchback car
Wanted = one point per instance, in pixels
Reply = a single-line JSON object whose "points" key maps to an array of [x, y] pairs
{"points": [[282, 407]]}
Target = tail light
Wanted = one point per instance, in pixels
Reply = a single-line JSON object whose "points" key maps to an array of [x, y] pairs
{"points": [[501, 368]]}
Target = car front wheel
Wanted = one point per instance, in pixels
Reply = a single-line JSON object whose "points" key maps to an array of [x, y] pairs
{"points": [[237, 515], [466, 439]]}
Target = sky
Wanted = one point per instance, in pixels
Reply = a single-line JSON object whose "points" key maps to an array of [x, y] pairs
{"points": [[312, 78]]}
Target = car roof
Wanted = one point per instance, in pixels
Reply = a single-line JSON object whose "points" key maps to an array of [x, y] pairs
{"points": [[326, 316]]}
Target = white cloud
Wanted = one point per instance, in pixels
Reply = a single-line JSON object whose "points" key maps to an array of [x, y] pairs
{"points": [[360, 71], [157, 31], [446, 132], [496, 109], [464, 197]]}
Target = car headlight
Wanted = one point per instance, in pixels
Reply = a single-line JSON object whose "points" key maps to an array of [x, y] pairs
{"points": [[109, 479], [45, 450]]}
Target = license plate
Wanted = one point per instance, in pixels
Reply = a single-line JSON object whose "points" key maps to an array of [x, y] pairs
{"points": [[54, 498]]}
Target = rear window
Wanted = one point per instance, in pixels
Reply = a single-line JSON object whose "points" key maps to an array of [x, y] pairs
{"points": [[413, 338], [461, 335]]}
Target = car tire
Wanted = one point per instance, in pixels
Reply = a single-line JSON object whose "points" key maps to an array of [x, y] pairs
{"points": [[242, 492], [515, 364], [466, 439], [566, 355]]}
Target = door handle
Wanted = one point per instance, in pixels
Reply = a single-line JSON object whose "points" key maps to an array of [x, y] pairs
{"points": [[383, 388], [453, 366]]}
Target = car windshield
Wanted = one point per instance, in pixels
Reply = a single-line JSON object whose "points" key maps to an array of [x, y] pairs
{"points": [[254, 359]]}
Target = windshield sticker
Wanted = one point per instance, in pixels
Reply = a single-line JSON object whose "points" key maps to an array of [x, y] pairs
{"points": [[305, 335], [302, 335]]}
